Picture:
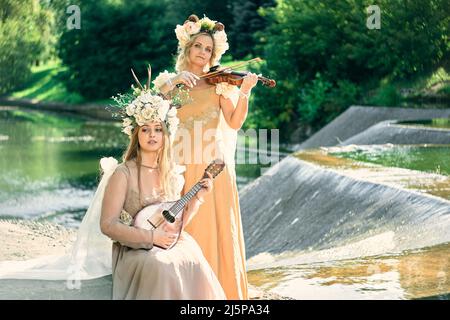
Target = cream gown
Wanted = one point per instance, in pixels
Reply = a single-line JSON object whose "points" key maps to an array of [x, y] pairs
{"points": [[217, 226], [179, 273]]}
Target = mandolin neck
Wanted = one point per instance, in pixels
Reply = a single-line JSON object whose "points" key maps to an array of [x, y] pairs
{"points": [[180, 204]]}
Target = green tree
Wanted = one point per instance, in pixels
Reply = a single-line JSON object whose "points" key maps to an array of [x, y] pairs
{"points": [[307, 37], [114, 37], [246, 22], [25, 39]]}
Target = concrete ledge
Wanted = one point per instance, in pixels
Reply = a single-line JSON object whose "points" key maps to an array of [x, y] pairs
{"points": [[390, 132], [356, 119]]}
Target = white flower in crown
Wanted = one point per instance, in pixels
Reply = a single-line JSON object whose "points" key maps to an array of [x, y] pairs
{"points": [[221, 43], [155, 109], [128, 130], [140, 120], [148, 113], [127, 122], [145, 104], [131, 109], [182, 35], [138, 104], [157, 100]]}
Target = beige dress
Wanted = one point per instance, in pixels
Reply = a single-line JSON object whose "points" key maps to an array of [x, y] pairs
{"points": [[217, 226], [179, 273]]}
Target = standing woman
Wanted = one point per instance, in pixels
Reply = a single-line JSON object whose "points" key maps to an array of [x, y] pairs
{"points": [[217, 225]]}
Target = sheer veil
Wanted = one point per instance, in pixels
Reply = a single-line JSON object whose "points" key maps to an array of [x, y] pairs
{"points": [[91, 254]]}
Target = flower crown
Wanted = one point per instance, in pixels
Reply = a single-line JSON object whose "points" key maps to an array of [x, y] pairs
{"points": [[194, 25], [143, 105]]}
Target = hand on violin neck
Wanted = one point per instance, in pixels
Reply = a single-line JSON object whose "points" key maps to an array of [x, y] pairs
{"points": [[250, 80]]}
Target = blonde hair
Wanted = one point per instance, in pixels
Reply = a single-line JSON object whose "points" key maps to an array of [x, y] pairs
{"points": [[183, 53], [165, 161]]}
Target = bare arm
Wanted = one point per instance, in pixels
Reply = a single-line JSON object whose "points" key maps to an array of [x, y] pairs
{"points": [[110, 225], [195, 203], [235, 117]]}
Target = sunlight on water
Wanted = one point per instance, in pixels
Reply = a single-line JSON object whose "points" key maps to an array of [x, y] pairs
{"points": [[408, 275], [49, 164]]}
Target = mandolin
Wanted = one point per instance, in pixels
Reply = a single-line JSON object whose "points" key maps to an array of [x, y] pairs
{"points": [[155, 215]]}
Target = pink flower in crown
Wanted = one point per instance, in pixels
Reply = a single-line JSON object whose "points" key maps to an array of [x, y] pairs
{"points": [[192, 27]]}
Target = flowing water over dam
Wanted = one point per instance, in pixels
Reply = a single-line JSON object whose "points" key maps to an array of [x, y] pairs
{"points": [[321, 226]]}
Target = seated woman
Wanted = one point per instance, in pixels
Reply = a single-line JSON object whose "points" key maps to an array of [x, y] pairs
{"points": [[142, 266]]}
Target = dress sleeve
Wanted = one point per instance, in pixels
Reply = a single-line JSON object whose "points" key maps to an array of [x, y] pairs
{"points": [[112, 206], [227, 90]]}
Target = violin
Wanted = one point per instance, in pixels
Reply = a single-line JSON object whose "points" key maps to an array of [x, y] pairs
{"points": [[229, 75]]}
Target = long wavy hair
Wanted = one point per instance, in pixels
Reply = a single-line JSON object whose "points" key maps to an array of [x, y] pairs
{"points": [[183, 54], [165, 161]]}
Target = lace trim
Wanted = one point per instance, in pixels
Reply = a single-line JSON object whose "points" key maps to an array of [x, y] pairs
{"points": [[204, 117], [226, 89], [125, 218]]}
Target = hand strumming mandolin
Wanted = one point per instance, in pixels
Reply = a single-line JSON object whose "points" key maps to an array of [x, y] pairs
{"points": [[153, 216]]}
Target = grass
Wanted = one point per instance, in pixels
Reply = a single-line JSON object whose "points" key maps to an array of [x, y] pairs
{"points": [[46, 85], [395, 93]]}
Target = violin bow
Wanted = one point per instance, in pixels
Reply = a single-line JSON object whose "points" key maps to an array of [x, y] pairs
{"points": [[237, 65]]}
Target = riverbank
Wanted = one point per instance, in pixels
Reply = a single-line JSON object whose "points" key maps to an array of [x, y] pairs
{"points": [[23, 240], [92, 110]]}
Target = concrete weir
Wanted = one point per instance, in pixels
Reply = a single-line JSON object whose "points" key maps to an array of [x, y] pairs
{"points": [[357, 119], [299, 206]]}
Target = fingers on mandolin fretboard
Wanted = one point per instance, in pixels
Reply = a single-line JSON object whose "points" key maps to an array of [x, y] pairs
{"points": [[215, 168]]}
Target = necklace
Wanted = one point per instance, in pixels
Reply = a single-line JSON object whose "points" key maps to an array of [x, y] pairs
{"points": [[143, 165]]}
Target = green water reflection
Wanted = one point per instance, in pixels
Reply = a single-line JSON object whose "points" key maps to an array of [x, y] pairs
{"points": [[431, 158], [438, 123], [49, 164]]}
